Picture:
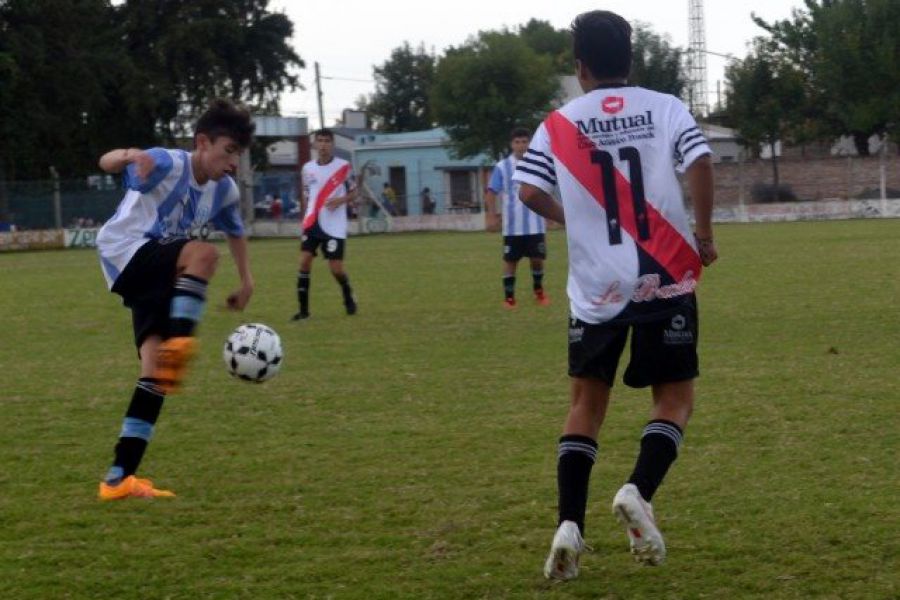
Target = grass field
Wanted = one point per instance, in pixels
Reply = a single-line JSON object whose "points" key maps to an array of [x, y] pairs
{"points": [[409, 451]]}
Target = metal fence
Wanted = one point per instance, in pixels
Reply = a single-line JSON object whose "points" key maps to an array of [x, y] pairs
{"points": [[50, 204]]}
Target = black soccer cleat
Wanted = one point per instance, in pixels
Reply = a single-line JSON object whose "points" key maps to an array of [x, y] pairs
{"points": [[351, 307], [300, 316]]}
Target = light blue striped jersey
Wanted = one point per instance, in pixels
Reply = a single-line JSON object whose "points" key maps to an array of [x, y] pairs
{"points": [[169, 203], [518, 219]]}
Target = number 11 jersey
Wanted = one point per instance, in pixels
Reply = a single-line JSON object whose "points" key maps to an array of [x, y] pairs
{"points": [[614, 154]]}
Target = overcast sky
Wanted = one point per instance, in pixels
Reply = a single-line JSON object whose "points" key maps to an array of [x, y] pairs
{"points": [[348, 37]]}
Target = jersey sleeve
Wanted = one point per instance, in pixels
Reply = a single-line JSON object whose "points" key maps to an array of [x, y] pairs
{"points": [[537, 167], [688, 141], [162, 166], [496, 183], [228, 216]]}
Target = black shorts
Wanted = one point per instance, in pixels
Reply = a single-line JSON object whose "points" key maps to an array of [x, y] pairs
{"points": [[663, 350], [146, 286], [517, 246], [332, 247]]}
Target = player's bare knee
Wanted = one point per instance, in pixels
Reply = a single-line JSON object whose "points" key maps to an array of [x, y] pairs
{"points": [[205, 259]]}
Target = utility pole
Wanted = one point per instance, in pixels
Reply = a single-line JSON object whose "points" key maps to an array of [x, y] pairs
{"points": [[319, 96]]}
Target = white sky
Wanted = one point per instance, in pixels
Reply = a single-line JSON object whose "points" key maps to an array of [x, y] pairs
{"points": [[348, 37]]}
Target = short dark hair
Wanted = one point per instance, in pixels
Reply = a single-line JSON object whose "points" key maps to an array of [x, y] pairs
{"points": [[519, 132], [224, 117], [601, 40], [324, 132]]}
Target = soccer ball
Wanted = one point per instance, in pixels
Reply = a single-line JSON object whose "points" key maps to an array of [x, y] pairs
{"points": [[253, 352]]}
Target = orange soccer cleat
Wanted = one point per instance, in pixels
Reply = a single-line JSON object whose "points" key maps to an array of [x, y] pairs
{"points": [[171, 362], [131, 487], [541, 298]]}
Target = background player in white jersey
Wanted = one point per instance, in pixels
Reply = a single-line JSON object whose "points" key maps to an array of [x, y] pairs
{"points": [[523, 229], [149, 257], [328, 187], [633, 265]]}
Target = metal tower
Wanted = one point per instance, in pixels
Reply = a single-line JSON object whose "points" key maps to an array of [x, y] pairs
{"points": [[697, 96]]}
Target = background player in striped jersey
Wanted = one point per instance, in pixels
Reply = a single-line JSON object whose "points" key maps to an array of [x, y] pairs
{"points": [[523, 229], [633, 266], [149, 257], [328, 187]]}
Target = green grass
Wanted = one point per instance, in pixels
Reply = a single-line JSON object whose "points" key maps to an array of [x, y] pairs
{"points": [[409, 452]]}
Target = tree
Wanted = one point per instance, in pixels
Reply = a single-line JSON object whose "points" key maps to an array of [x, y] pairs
{"points": [[848, 51], [765, 101], [655, 63], [400, 102], [545, 40], [189, 51], [486, 87], [80, 76]]}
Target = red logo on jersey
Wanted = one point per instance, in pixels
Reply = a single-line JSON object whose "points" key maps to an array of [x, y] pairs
{"points": [[613, 104]]}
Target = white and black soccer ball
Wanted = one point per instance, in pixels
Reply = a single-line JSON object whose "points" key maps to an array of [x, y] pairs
{"points": [[253, 352]]}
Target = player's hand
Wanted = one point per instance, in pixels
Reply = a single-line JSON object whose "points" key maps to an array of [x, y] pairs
{"points": [[706, 246], [333, 203], [240, 298], [143, 164], [492, 221]]}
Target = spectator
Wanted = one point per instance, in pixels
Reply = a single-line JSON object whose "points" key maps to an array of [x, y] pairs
{"points": [[276, 207], [428, 203]]}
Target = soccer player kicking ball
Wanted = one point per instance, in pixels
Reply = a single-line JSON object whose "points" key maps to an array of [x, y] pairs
{"points": [[523, 229], [149, 257], [633, 266], [328, 186]]}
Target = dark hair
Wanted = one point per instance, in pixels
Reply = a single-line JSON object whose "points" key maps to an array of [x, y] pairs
{"points": [[601, 40], [224, 117], [324, 132], [519, 132]]}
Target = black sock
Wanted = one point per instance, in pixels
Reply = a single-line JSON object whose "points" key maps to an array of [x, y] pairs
{"points": [[509, 286], [137, 429], [188, 300], [303, 282], [537, 279], [659, 449], [344, 281], [577, 454]]}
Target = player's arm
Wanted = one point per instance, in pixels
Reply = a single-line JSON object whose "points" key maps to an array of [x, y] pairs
{"points": [[699, 177], [491, 216], [541, 202], [334, 202], [115, 161], [238, 299]]}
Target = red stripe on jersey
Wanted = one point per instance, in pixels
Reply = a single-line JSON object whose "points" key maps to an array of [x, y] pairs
{"points": [[339, 177], [666, 245]]}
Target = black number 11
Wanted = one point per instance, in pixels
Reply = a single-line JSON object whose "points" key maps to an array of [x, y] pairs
{"points": [[611, 197]]}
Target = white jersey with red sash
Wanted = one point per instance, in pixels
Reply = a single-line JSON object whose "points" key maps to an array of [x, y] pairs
{"points": [[614, 153], [321, 182]]}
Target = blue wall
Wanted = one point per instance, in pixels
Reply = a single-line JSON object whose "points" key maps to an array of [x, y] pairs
{"points": [[420, 157]]}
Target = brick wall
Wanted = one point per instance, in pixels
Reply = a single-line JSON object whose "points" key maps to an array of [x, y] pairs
{"points": [[810, 178]]}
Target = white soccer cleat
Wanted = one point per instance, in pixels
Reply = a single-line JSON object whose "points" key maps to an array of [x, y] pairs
{"points": [[636, 515], [567, 546]]}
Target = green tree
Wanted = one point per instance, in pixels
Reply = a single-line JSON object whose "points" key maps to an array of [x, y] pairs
{"points": [[188, 51], [655, 63], [765, 101], [848, 51], [80, 76], [486, 87], [546, 40], [400, 102], [58, 60]]}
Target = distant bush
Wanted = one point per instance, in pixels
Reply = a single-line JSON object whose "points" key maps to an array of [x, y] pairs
{"points": [[875, 194], [767, 192]]}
